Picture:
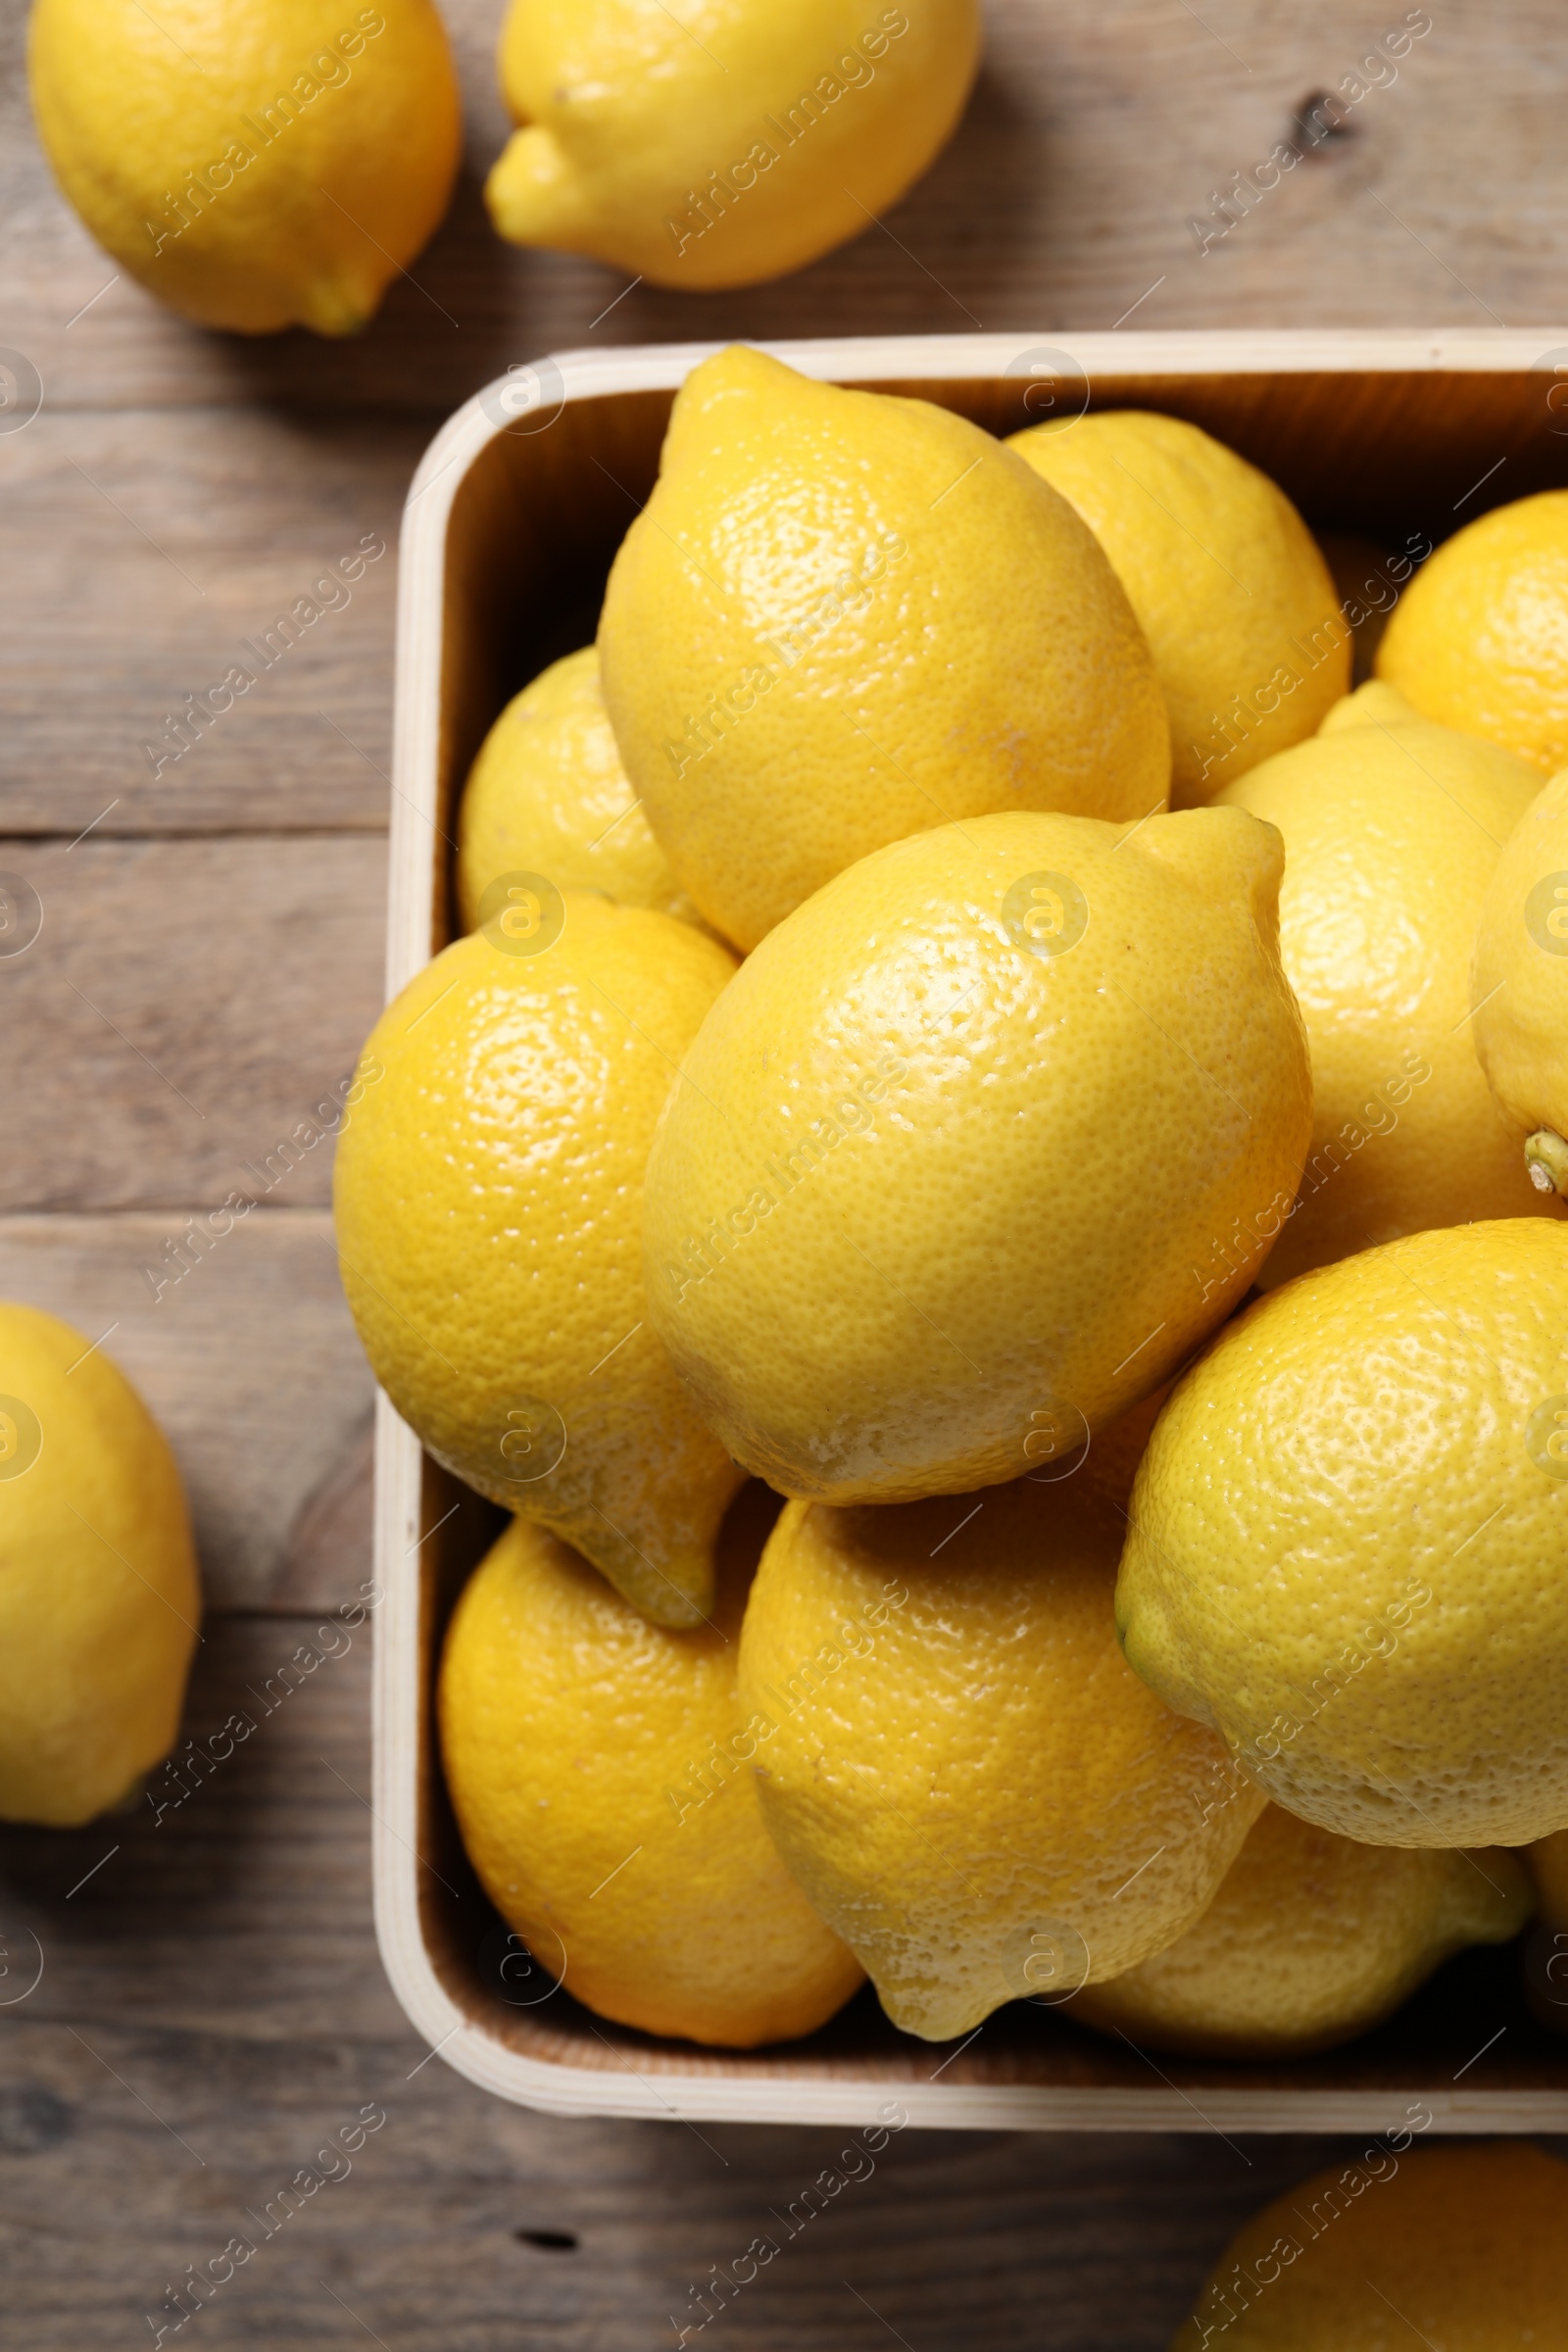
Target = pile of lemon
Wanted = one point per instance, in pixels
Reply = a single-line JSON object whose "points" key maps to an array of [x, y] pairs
{"points": [[966, 1021]]}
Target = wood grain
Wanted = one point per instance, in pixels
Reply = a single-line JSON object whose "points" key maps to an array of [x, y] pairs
{"points": [[201, 1001], [149, 559], [1096, 132], [211, 2010], [250, 1362]]}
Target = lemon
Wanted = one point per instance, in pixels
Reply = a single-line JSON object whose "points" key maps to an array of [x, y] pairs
{"points": [[1374, 704], [1391, 835], [1458, 2248], [1347, 1541], [548, 795], [1311, 1940], [256, 168], [955, 1760], [842, 618], [1520, 986], [488, 1188], [1234, 599], [725, 141], [1479, 640], [98, 1589], [594, 1762], [950, 1157]]}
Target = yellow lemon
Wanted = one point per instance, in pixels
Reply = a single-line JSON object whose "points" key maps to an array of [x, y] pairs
{"points": [[548, 796], [809, 651], [726, 141], [949, 1158], [1458, 2247], [1311, 1940], [1347, 1541], [1479, 640], [955, 1760], [1520, 987], [255, 167], [1391, 835], [591, 1758], [98, 1590], [1375, 703], [488, 1190], [1236, 600]]}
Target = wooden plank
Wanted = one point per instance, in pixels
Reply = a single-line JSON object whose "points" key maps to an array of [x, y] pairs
{"points": [[212, 2012], [250, 1363], [184, 1006], [232, 551], [1094, 136]]}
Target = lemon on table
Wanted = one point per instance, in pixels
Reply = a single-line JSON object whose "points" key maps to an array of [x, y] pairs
{"points": [[488, 1190], [1391, 835], [1479, 638], [255, 168], [952, 1154], [1460, 2247], [955, 1760], [1348, 1535], [842, 618], [1520, 987], [1311, 1940], [1237, 603], [98, 1589], [726, 141], [547, 793], [598, 1767]]}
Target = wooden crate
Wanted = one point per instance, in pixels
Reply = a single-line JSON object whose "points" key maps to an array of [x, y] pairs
{"points": [[511, 525]]}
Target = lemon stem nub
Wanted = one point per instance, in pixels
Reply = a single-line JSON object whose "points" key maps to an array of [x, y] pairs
{"points": [[1546, 1159]]}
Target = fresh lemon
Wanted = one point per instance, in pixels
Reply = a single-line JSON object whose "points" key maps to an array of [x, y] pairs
{"points": [[1479, 638], [98, 1589], [547, 794], [1348, 1534], [842, 618], [1391, 835], [726, 141], [256, 166], [949, 1157], [955, 1760], [1234, 599], [488, 1190], [1520, 987], [1374, 704], [1311, 1940], [1460, 2248], [596, 1765]]}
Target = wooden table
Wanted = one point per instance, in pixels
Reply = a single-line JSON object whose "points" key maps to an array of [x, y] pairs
{"points": [[211, 2006]]}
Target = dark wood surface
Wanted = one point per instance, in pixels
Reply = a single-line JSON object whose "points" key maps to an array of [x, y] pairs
{"points": [[210, 2007]]}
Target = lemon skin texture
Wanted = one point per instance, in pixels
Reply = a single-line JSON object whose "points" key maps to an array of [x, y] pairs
{"points": [[487, 1190], [1479, 640], [1519, 987], [1374, 704], [1225, 578], [1391, 836], [728, 142], [1347, 1539], [960, 1770], [98, 1599], [930, 1185], [592, 1762], [548, 795], [1465, 2243], [254, 167], [1310, 1940], [806, 654]]}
